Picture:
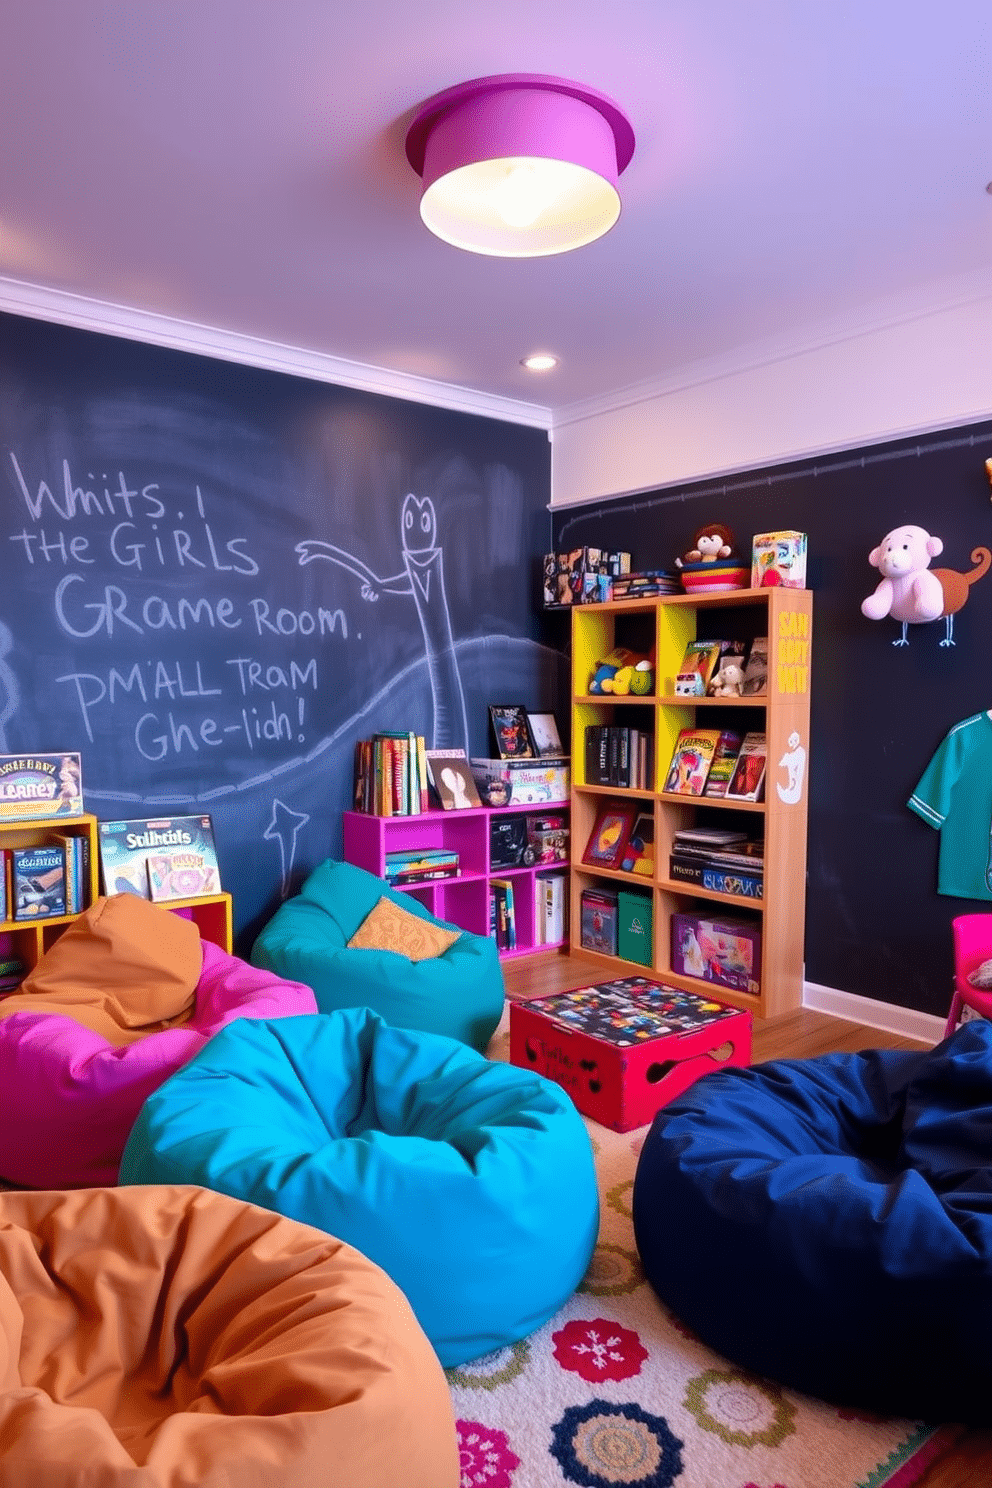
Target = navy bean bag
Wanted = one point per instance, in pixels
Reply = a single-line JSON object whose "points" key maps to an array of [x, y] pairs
{"points": [[828, 1223], [470, 1183], [458, 993]]}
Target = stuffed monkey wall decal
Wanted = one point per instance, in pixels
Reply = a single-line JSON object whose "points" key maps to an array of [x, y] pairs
{"points": [[910, 590]]}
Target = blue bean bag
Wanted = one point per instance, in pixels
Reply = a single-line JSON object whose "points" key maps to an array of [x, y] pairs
{"points": [[470, 1183], [459, 993], [828, 1223]]}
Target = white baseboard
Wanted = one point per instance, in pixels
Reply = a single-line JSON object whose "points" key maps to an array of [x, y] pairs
{"points": [[886, 1016]]}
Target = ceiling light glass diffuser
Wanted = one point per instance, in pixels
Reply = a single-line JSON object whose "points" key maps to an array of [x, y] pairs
{"points": [[520, 165]]}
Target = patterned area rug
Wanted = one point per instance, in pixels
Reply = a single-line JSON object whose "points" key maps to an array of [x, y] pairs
{"points": [[614, 1393]]}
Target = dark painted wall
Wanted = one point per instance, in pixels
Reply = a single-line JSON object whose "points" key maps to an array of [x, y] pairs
{"points": [[875, 924], [216, 579]]}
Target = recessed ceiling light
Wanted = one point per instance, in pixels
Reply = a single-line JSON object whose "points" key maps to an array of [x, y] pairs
{"points": [[989, 188], [541, 361]]}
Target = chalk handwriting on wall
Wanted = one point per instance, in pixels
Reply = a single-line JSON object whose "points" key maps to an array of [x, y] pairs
{"points": [[126, 570], [156, 616]]}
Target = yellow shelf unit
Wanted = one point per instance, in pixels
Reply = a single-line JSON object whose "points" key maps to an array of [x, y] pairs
{"points": [[668, 623], [28, 940]]}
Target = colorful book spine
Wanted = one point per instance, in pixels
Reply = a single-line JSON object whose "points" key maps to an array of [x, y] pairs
{"points": [[390, 775], [717, 880]]}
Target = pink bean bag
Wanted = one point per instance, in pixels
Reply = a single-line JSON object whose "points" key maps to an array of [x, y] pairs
{"points": [[127, 995]]}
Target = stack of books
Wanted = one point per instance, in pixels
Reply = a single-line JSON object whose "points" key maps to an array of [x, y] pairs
{"points": [[420, 865], [502, 913], [646, 583], [390, 775], [721, 860], [550, 897], [619, 755], [717, 762], [48, 879], [76, 853]]}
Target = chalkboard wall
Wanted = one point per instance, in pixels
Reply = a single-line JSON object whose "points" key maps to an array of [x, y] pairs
{"points": [[216, 579], [875, 924]]}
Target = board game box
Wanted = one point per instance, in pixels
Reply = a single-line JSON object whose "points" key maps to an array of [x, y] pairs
{"points": [[159, 857], [725, 951], [778, 558], [38, 881], [40, 785], [598, 928], [522, 782], [625, 1048]]}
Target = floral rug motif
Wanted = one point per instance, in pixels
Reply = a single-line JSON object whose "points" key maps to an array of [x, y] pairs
{"points": [[614, 1392]]}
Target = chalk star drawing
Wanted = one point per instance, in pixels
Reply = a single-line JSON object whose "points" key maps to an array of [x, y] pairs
{"points": [[422, 576], [284, 828]]}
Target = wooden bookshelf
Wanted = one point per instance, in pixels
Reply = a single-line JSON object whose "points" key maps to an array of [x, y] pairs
{"points": [[667, 624]]}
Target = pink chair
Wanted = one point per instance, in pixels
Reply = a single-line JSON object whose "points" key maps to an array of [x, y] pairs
{"points": [[972, 945]]}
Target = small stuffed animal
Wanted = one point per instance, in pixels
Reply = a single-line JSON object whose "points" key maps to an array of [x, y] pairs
{"points": [[727, 682], [616, 673], [637, 679], [642, 678], [710, 544]]}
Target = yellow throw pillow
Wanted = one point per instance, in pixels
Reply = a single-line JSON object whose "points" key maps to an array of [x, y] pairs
{"points": [[390, 927]]}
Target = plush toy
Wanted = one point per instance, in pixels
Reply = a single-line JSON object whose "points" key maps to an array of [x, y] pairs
{"points": [[606, 669], [710, 544], [727, 682], [622, 672], [638, 679], [913, 593]]}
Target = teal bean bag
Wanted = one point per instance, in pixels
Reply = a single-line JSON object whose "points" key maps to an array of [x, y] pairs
{"points": [[458, 993], [470, 1183]]}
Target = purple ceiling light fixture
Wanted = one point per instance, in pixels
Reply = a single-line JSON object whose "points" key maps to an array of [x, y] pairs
{"points": [[520, 165]]}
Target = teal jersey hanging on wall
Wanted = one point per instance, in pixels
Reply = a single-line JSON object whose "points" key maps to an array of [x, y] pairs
{"points": [[954, 795]]}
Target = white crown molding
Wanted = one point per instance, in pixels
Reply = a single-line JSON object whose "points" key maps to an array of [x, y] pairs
{"points": [[952, 294], [807, 453], [41, 303], [886, 1016], [64, 308]]}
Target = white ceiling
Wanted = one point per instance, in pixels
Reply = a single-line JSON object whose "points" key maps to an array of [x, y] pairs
{"points": [[802, 169]]}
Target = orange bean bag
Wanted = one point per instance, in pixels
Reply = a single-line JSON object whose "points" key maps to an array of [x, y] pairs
{"points": [[176, 1338]]}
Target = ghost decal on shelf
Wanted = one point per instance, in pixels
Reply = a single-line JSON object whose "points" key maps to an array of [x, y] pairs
{"points": [[793, 762]]}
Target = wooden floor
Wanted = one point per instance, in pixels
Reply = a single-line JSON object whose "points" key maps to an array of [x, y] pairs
{"points": [[798, 1035]]}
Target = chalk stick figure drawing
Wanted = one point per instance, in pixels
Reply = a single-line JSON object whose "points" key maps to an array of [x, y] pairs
{"points": [[9, 696], [793, 762], [421, 576]]}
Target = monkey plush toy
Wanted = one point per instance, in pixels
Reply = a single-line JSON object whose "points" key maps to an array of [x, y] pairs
{"points": [[710, 544]]}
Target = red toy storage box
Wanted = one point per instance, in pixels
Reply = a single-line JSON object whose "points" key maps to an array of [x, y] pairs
{"points": [[623, 1049]]}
